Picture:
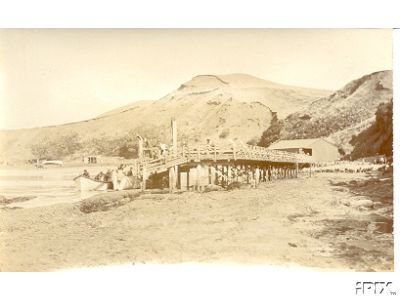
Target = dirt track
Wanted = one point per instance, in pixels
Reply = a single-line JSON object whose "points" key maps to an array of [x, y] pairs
{"points": [[310, 222]]}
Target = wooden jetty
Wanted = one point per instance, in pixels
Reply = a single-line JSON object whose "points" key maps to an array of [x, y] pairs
{"points": [[193, 168]]}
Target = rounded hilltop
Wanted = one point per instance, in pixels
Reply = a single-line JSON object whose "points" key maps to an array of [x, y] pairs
{"points": [[234, 80]]}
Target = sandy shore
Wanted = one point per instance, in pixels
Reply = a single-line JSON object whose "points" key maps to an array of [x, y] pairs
{"points": [[321, 222]]}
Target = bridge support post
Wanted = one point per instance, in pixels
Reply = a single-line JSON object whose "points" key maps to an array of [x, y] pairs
{"points": [[202, 174], [176, 177], [223, 176], [216, 175], [235, 172], [188, 180], [263, 173], [216, 181], [228, 174], [209, 174], [172, 178], [198, 176], [144, 175], [212, 173], [205, 177]]}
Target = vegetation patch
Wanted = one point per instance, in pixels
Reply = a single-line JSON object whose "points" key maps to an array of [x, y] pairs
{"points": [[107, 201], [5, 201], [378, 138], [224, 134]]}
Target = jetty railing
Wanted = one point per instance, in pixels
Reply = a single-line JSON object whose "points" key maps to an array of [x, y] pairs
{"points": [[232, 152]]}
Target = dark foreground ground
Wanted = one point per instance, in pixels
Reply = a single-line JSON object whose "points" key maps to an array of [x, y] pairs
{"points": [[332, 221]]}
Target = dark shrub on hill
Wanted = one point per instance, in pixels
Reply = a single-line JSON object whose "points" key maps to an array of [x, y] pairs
{"points": [[273, 133], [378, 138]]}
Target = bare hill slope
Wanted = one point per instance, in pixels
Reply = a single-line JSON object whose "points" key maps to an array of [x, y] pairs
{"points": [[344, 113], [208, 106]]}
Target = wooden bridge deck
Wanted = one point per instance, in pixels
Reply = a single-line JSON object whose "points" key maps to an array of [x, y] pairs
{"points": [[201, 165], [201, 153]]}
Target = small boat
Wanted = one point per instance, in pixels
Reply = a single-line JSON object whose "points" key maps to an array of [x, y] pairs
{"points": [[89, 184], [52, 162]]}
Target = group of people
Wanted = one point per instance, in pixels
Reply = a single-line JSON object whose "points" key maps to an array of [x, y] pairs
{"points": [[100, 176], [122, 178], [108, 176]]}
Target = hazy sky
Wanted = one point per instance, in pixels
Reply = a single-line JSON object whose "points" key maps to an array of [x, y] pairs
{"points": [[56, 76]]}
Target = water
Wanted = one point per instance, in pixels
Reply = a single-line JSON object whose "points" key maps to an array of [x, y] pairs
{"points": [[50, 186]]}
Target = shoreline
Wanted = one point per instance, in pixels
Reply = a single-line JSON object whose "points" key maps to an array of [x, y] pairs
{"points": [[272, 225]]}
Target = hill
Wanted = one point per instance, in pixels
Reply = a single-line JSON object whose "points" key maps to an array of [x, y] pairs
{"points": [[246, 88], [378, 138], [343, 114], [235, 106]]}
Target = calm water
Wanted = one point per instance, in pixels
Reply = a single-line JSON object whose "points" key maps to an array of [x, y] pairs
{"points": [[50, 186]]}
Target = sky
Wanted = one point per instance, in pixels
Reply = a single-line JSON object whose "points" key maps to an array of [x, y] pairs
{"points": [[56, 76]]}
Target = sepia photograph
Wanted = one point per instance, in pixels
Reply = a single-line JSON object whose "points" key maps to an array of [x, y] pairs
{"points": [[265, 147]]}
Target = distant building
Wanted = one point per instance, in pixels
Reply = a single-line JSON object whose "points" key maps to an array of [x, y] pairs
{"points": [[90, 159], [320, 149]]}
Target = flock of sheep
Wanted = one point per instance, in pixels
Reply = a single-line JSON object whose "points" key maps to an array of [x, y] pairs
{"points": [[352, 167]]}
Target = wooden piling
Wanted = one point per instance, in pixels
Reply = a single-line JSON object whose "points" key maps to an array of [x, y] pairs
{"points": [[209, 174], [216, 181], [171, 179], [228, 174], [222, 175], [198, 176], [176, 177], [144, 175]]}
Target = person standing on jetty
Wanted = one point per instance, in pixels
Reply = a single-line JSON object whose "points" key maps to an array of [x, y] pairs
{"points": [[130, 172]]}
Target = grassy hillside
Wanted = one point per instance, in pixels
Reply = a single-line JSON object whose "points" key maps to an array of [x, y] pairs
{"points": [[342, 114]]}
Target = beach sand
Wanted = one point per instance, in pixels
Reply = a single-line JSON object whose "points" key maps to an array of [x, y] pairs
{"points": [[327, 222]]}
